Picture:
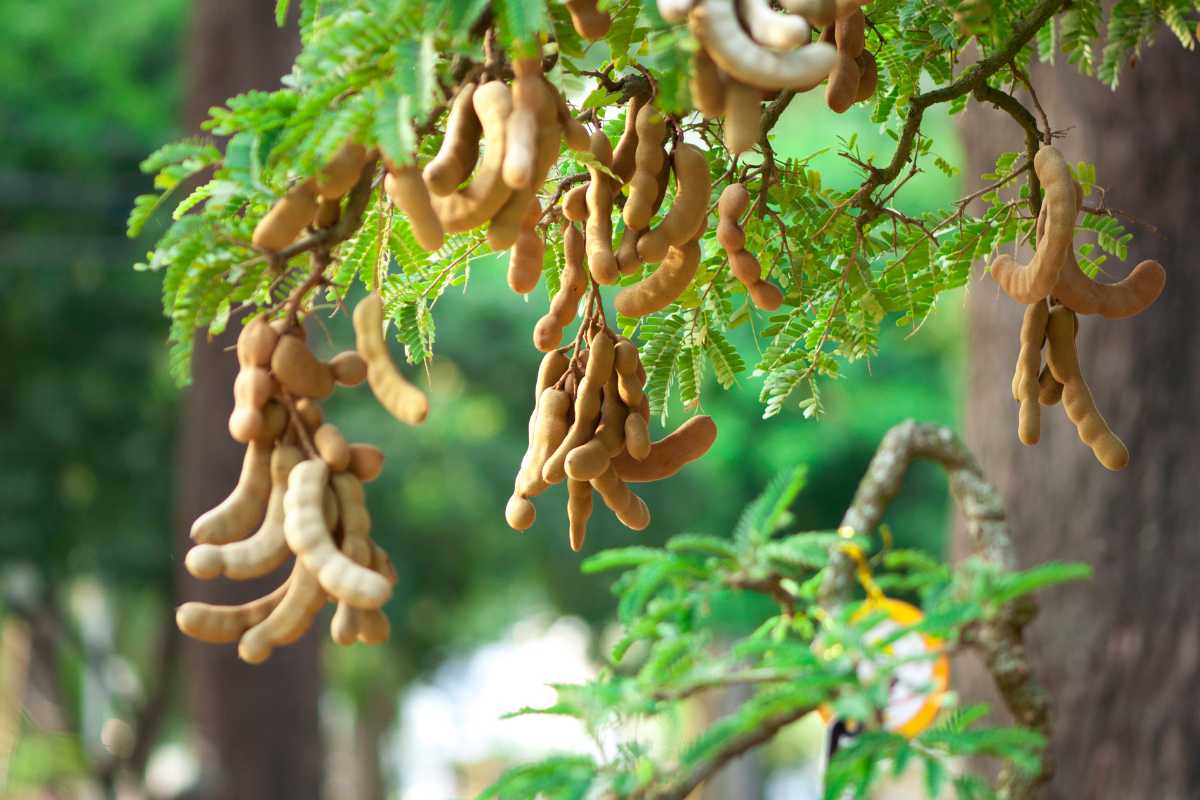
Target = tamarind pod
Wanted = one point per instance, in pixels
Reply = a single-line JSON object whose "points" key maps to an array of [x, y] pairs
{"points": [[1128, 297], [256, 343], [308, 536], [746, 268], [689, 211], [470, 207], [1028, 283], [675, 10], [299, 371], [707, 85], [510, 220], [1049, 389], [341, 172], [280, 226], [588, 20], [400, 398], [637, 436], [819, 12], [343, 627], [843, 84], [275, 422], [407, 191], [520, 513], [868, 80], [309, 412], [456, 158], [587, 406], [663, 286], [649, 158], [551, 429], [771, 28], [668, 455], [644, 406], [223, 624], [330, 509], [286, 327], [611, 430], [356, 545], [579, 511], [328, 213], [366, 462], [1077, 399], [547, 334], [602, 264], [628, 260], [505, 227], [1025, 378], [348, 368], [574, 203], [664, 182], [715, 24], [521, 132], [244, 509], [587, 460], [624, 158], [766, 295], [626, 363], [576, 135], [288, 620], [733, 202], [554, 365], [332, 447], [373, 626], [630, 509], [528, 252], [743, 116], [251, 390], [382, 564], [851, 34]]}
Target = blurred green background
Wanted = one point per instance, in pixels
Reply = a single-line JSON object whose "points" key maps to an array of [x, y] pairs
{"points": [[87, 442]]}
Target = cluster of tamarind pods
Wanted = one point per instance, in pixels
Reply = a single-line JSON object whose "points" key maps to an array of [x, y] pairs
{"points": [[300, 494], [1055, 290]]}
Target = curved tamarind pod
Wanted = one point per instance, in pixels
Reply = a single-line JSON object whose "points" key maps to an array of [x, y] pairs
{"points": [[348, 368], [587, 461], [675, 10], [366, 462], [624, 159], [381, 563], [574, 203], [470, 207], [663, 286], [550, 432], [573, 131], [602, 264], [1025, 379], [506, 225], [587, 406], [521, 132], [868, 80], [356, 545], [554, 365], [341, 172], [547, 334], [1049, 389], [819, 12], [611, 430], [637, 436], [252, 388], [223, 624], [288, 621], [310, 413], [243, 510], [407, 191], [1077, 399], [579, 511], [589, 21], [308, 536], [630, 509], [460, 146], [332, 447], [774, 29], [280, 226], [668, 455], [1028, 283], [1128, 297], [843, 85], [649, 159], [299, 371], [850, 35], [692, 187], [707, 85], [715, 24], [628, 260], [528, 252], [402, 400], [630, 381], [262, 551], [743, 116], [256, 343], [733, 202]]}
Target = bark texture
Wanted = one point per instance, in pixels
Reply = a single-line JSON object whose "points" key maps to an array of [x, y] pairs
{"points": [[1120, 655]]}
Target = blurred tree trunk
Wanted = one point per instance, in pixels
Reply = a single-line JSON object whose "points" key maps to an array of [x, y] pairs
{"points": [[258, 724], [1119, 654]]}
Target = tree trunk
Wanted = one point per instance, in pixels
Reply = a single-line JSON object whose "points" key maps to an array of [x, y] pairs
{"points": [[258, 725], [1119, 653]]}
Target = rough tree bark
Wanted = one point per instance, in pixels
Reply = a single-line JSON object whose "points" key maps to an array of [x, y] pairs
{"points": [[258, 726], [1119, 654]]}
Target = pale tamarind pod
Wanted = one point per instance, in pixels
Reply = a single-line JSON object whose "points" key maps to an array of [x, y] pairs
{"points": [[630, 377], [506, 225], [400, 398], [341, 172], [528, 252], [288, 620], [868, 80], [332, 447], [587, 460], [456, 158], [587, 405], [668, 455], [574, 203], [611, 430], [407, 191], [663, 286], [348, 368], [547, 334], [715, 24], [262, 551], [280, 226], [256, 343], [520, 513], [602, 263], [252, 388], [637, 436], [844, 80], [707, 85], [1028, 283], [624, 158], [309, 538], [688, 212], [579, 511], [743, 116], [298, 371], [774, 29], [309, 412], [1025, 378], [1049, 389], [366, 462], [629, 509], [649, 159], [275, 422], [675, 10], [1128, 297], [1077, 400], [850, 34], [223, 624], [554, 407], [521, 132], [819, 12], [239, 514], [573, 131], [590, 22], [470, 207], [356, 545]]}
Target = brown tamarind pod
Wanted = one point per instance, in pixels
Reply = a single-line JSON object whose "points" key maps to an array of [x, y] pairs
{"points": [[239, 514], [299, 371], [547, 334], [1077, 397], [520, 513], [868, 80], [743, 116], [574, 203], [587, 406], [400, 398], [689, 211], [256, 343], [332, 447], [587, 460], [611, 430], [366, 462], [476, 203], [287, 621], [573, 131], [407, 190], [734, 201], [287, 218], [505, 226], [252, 388], [528, 252], [288, 327], [630, 509], [637, 436], [521, 133], [1049, 389], [850, 35], [1025, 386], [310, 413], [223, 624], [589, 22], [624, 159], [554, 406], [663, 286], [348, 368], [648, 159], [602, 263], [460, 146], [373, 626], [355, 545], [628, 260], [579, 511], [328, 213], [707, 85], [630, 380], [843, 83], [668, 455], [275, 422], [340, 173], [1125, 298]]}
